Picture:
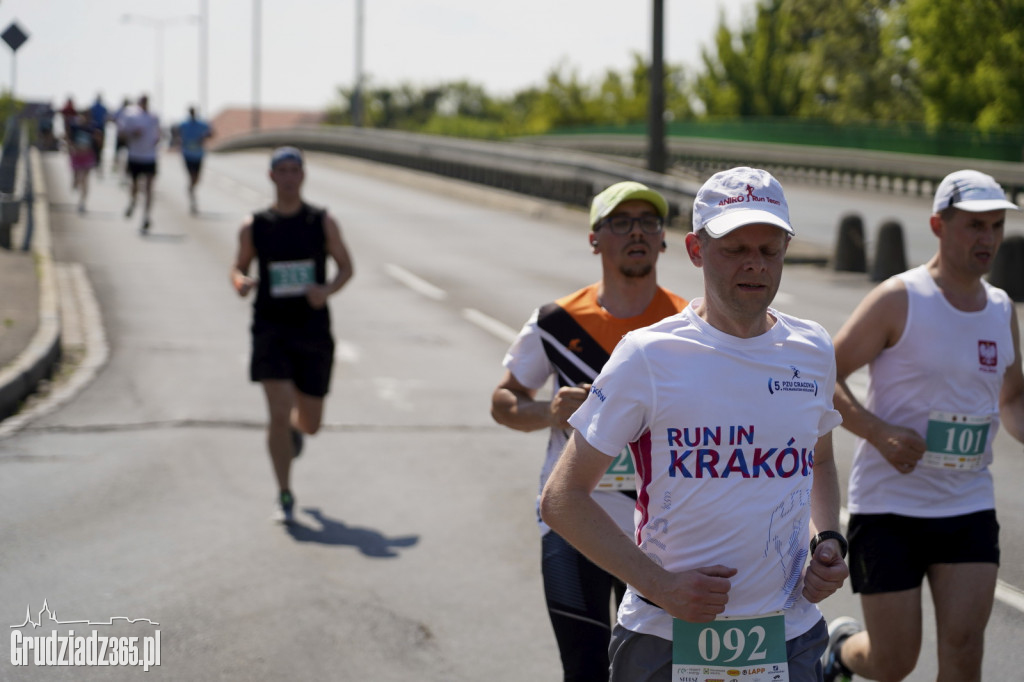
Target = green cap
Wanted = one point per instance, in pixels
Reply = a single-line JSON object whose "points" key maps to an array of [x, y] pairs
{"points": [[606, 202]]}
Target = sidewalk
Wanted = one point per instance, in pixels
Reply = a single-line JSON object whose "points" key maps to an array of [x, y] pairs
{"points": [[29, 310]]}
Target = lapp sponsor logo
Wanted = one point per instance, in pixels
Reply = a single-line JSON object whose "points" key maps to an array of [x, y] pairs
{"points": [[93, 649], [988, 356], [794, 383]]}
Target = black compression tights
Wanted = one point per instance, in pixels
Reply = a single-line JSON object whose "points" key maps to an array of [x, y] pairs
{"points": [[578, 596]]}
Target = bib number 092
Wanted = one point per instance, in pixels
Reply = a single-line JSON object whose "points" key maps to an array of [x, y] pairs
{"points": [[711, 643]]}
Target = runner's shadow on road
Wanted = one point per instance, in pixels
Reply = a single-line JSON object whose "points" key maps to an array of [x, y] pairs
{"points": [[218, 216], [154, 236], [332, 532], [106, 215]]}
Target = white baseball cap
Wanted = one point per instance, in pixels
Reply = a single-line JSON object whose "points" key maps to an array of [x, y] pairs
{"points": [[285, 154], [737, 197], [971, 190]]}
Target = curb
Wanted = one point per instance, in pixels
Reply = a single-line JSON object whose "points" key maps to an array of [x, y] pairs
{"points": [[21, 378]]}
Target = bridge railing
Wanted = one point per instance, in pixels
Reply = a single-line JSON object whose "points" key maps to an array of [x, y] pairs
{"points": [[563, 175], [571, 168]]}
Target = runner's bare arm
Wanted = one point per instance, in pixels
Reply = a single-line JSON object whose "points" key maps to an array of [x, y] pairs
{"points": [[568, 507], [1011, 396], [317, 294], [240, 278], [515, 406], [876, 324], [827, 570]]}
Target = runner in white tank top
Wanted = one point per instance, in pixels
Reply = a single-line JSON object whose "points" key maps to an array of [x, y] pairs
{"points": [[943, 353]]}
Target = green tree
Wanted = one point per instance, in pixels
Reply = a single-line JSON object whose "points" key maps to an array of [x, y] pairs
{"points": [[970, 57], [464, 109], [838, 60], [854, 65], [756, 72]]}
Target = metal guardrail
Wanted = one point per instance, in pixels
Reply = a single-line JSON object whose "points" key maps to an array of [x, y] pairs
{"points": [[10, 203], [572, 168], [881, 171], [567, 176]]}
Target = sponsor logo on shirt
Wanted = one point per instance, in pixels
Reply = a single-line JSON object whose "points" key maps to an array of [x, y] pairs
{"points": [[793, 384]]}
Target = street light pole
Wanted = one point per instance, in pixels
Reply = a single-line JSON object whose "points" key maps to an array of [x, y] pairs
{"points": [[256, 31], [656, 106], [158, 25], [204, 29], [357, 92]]}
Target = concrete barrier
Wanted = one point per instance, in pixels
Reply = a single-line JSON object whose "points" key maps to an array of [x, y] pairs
{"points": [[1008, 268], [850, 254], [890, 254]]}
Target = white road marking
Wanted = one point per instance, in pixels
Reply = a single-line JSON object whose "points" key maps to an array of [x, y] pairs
{"points": [[346, 351], [418, 285], [490, 325]]}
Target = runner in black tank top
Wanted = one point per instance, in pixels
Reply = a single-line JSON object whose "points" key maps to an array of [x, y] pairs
{"points": [[292, 346]]}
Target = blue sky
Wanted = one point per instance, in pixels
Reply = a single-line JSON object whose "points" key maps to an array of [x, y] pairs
{"points": [[79, 48]]}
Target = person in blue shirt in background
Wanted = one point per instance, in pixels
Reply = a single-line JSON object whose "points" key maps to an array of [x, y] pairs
{"points": [[192, 135], [99, 114]]}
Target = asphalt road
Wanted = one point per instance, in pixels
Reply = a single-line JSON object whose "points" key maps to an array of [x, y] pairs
{"points": [[148, 495]]}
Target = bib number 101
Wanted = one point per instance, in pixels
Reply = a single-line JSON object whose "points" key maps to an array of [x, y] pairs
{"points": [[754, 648], [956, 441]]}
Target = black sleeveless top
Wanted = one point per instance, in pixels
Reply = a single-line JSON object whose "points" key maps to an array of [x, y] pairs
{"points": [[292, 253]]}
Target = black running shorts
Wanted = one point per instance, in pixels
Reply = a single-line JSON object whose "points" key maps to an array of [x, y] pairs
{"points": [[137, 168], [891, 553], [305, 358]]}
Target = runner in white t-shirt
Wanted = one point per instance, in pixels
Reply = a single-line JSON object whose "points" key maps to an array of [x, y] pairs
{"points": [[943, 353], [141, 131], [727, 409]]}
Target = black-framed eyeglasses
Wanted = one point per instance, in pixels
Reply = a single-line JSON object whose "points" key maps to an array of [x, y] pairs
{"points": [[623, 224]]}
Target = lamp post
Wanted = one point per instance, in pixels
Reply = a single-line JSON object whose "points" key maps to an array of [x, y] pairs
{"points": [[204, 56], [257, 34], [656, 153], [159, 24], [357, 91]]}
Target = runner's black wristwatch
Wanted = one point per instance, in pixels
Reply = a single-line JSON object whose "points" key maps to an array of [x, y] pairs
{"points": [[830, 535]]}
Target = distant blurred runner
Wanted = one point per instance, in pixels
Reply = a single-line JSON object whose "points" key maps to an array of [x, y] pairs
{"points": [[99, 115], [192, 136], [141, 130], [81, 141], [292, 345]]}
